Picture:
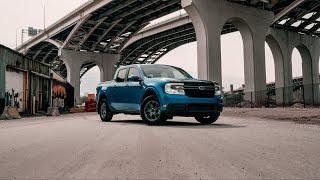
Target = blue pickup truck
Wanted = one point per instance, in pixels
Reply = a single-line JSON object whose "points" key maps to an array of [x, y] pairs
{"points": [[157, 93]]}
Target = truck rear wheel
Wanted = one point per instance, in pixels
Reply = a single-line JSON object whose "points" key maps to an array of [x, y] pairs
{"points": [[150, 111], [207, 119], [104, 111]]}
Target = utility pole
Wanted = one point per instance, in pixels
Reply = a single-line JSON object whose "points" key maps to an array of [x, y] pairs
{"points": [[16, 38], [22, 32], [44, 16]]}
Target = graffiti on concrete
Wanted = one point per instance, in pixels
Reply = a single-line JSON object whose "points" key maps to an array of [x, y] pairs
{"points": [[59, 95], [12, 99]]}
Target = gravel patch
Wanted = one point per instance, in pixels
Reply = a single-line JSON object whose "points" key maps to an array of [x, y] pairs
{"points": [[298, 115]]}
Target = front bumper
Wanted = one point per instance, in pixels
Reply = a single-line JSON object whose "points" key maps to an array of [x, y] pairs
{"points": [[176, 105], [192, 109]]}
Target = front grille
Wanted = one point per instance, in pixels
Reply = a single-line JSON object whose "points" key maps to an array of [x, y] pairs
{"points": [[201, 107], [177, 107], [199, 93], [199, 90], [199, 83], [193, 108]]}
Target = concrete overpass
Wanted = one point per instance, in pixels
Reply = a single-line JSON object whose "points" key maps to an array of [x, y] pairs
{"points": [[99, 29], [108, 33]]}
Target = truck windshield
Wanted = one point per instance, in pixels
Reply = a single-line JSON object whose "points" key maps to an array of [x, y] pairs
{"points": [[165, 72]]}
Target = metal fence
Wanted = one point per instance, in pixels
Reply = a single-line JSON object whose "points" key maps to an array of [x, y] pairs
{"points": [[296, 95]]}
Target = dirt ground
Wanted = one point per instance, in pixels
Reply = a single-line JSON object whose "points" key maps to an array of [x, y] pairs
{"points": [[299, 115]]}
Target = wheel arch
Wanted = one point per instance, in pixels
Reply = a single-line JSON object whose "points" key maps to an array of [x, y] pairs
{"points": [[149, 92], [101, 97]]}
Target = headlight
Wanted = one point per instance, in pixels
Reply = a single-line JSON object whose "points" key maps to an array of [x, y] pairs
{"points": [[217, 91], [175, 88]]}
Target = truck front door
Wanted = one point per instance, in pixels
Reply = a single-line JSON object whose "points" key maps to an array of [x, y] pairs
{"points": [[134, 90], [117, 92]]}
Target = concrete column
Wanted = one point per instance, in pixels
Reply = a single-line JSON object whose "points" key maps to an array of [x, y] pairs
{"points": [[308, 47], [288, 89], [279, 68], [307, 74], [208, 18], [315, 55], [74, 61], [209, 46], [254, 68], [2, 77], [278, 43], [2, 82], [316, 81], [106, 63], [74, 79]]}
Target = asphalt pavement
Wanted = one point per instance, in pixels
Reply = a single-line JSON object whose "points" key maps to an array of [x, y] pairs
{"points": [[80, 146]]}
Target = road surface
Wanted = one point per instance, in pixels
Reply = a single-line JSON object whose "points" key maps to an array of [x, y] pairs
{"points": [[79, 146]]}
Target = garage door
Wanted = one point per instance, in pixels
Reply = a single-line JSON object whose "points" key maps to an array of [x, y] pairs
{"points": [[14, 81]]}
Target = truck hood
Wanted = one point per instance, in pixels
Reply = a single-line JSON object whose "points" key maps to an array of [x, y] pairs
{"points": [[169, 80]]}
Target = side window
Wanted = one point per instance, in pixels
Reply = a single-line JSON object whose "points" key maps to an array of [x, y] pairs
{"points": [[133, 72], [121, 77]]}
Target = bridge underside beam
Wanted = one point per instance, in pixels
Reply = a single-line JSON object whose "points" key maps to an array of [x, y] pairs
{"points": [[300, 16]]}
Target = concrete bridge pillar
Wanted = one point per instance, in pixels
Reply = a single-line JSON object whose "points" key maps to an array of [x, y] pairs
{"points": [[73, 65], [208, 18], [106, 63], [3, 64], [74, 60], [278, 43], [315, 54], [308, 47]]}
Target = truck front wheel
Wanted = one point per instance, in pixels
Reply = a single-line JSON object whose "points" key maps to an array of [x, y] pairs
{"points": [[207, 119], [150, 111], [105, 113]]}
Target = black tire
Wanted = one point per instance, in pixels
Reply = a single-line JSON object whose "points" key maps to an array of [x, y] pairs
{"points": [[104, 111], [150, 111], [207, 119]]}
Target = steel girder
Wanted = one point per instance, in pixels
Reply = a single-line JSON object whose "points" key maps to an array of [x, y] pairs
{"points": [[300, 16], [43, 52], [304, 18], [151, 48]]}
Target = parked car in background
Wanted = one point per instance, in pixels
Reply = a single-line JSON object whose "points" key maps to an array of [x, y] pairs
{"points": [[158, 93]]}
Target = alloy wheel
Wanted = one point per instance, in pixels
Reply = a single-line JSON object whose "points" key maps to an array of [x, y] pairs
{"points": [[152, 110]]}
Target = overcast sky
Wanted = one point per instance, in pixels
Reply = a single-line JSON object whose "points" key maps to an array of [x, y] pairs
{"points": [[25, 13]]}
